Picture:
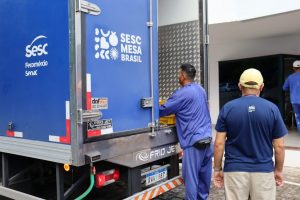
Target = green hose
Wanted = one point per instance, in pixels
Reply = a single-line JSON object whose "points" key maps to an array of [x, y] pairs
{"points": [[82, 196]]}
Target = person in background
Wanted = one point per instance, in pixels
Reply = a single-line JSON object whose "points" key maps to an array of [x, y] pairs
{"points": [[292, 84], [249, 129], [193, 123]]}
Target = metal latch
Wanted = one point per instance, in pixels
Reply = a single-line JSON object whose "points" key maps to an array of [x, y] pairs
{"points": [[88, 115], [149, 24], [87, 7], [147, 102], [153, 125], [93, 157], [10, 126]]}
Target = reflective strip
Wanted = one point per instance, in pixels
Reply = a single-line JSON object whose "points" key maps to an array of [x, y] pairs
{"points": [[88, 83], [10, 133], [106, 131], [14, 134], [155, 193], [88, 92], [140, 198], [68, 128], [165, 188], [67, 138], [157, 190], [162, 190], [89, 101], [53, 138], [93, 133], [178, 182], [151, 194], [67, 109], [169, 186], [148, 195], [175, 183], [172, 185], [18, 134]]}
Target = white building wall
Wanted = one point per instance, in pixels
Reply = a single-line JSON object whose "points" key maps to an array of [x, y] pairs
{"points": [[220, 11], [244, 49], [177, 11]]}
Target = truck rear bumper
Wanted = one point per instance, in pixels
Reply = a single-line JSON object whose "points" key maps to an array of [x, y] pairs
{"points": [[158, 189]]}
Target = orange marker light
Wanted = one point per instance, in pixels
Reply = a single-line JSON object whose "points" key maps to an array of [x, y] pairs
{"points": [[67, 167]]}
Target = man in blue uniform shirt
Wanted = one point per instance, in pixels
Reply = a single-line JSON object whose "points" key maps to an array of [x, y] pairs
{"points": [[293, 85], [193, 123], [249, 128]]}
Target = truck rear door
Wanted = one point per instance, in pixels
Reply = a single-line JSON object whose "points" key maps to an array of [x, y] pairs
{"points": [[118, 74]]}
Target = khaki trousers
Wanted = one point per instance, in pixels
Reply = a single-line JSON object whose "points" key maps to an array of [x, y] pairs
{"points": [[242, 185]]}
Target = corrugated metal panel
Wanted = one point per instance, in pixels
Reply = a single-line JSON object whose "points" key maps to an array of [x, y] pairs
{"points": [[178, 43]]}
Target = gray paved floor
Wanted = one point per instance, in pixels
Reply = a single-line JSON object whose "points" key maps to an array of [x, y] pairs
{"points": [[291, 174], [292, 139], [287, 192]]}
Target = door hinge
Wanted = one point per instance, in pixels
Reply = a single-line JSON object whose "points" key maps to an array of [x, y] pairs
{"points": [[206, 39], [87, 7], [87, 115]]}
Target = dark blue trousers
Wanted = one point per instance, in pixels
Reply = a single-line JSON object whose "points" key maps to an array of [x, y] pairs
{"points": [[296, 108], [196, 172]]}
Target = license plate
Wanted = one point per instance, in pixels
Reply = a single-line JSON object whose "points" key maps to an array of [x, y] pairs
{"points": [[156, 176]]}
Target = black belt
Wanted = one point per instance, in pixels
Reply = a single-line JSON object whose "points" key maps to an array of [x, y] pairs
{"points": [[203, 143]]}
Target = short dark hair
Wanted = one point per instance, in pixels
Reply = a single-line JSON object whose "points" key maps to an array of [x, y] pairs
{"points": [[189, 70]]}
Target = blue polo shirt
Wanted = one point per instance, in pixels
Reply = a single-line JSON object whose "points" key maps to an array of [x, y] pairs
{"points": [[189, 104], [292, 83], [251, 124]]}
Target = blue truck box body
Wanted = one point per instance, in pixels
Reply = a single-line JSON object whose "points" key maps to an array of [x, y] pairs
{"points": [[79, 89], [118, 59], [36, 67]]}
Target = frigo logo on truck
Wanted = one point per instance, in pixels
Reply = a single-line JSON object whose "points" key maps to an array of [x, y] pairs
{"points": [[36, 49], [148, 155]]}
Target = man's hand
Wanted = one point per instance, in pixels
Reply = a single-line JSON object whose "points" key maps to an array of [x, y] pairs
{"points": [[219, 179], [278, 178], [218, 156], [279, 160]]}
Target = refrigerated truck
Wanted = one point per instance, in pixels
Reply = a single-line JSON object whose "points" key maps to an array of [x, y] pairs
{"points": [[79, 100]]}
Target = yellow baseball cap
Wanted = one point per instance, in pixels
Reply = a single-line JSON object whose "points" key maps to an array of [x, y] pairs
{"points": [[251, 78]]}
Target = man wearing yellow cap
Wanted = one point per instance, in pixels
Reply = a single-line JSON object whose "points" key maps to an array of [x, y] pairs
{"points": [[249, 128], [292, 84]]}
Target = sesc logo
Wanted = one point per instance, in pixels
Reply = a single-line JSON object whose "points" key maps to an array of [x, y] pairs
{"points": [[38, 49]]}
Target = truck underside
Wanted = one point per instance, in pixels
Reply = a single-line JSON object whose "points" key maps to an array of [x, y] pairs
{"points": [[125, 174]]}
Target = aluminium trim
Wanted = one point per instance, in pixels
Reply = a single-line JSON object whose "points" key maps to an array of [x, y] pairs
{"points": [[120, 146], [150, 25], [59, 153], [204, 35], [14, 194], [87, 7], [77, 84], [146, 156]]}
